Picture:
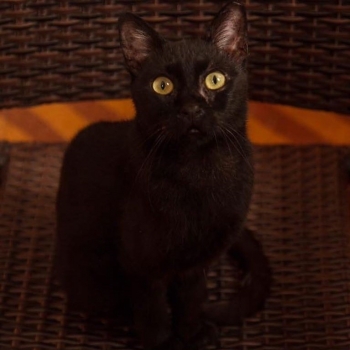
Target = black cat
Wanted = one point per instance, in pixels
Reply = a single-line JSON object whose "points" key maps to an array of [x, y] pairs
{"points": [[145, 206]]}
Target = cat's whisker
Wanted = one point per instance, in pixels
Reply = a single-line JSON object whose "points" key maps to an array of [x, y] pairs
{"points": [[166, 139], [160, 141], [230, 131], [225, 137], [148, 157], [154, 133], [216, 140], [226, 133], [244, 139], [236, 132]]}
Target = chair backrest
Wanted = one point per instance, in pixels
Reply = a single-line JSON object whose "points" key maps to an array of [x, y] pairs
{"points": [[68, 50]]}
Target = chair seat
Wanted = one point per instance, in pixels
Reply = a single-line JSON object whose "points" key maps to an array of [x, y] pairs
{"points": [[298, 210]]}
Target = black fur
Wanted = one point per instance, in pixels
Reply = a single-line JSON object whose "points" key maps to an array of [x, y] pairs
{"points": [[145, 206]]}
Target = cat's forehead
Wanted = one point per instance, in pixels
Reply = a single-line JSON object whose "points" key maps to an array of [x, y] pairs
{"points": [[190, 53], [189, 48]]}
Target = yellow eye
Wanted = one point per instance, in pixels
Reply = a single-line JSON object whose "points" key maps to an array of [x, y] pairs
{"points": [[163, 86], [215, 81]]}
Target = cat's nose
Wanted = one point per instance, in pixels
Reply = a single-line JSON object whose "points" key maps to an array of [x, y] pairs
{"points": [[191, 111]]}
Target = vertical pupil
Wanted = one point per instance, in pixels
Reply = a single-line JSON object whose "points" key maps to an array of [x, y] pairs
{"points": [[215, 80], [162, 85]]}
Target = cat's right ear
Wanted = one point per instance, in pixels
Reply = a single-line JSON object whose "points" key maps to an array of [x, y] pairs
{"points": [[138, 40], [228, 31]]}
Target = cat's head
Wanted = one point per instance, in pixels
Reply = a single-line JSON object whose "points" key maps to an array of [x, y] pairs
{"points": [[189, 90]]}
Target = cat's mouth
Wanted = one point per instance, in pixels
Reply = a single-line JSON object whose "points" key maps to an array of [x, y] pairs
{"points": [[194, 131]]}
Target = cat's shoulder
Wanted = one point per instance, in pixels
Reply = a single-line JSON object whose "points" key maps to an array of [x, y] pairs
{"points": [[98, 143], [101, 136], [102, 132]]}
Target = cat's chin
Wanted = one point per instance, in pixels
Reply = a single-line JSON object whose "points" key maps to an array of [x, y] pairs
{"points": [[196, 138]]}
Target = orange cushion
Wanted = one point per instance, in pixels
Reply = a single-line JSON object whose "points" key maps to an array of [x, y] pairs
{"points": [[268, 123]]}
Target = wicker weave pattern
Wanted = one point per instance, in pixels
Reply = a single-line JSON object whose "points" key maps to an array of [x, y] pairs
{"points": [[68, 50], [297, 209]]}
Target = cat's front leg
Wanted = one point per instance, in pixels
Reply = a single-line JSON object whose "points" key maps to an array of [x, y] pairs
{"points": [[188, 293], [150, 311]]}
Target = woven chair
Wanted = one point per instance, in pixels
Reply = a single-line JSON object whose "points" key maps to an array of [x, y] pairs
{"points": [[54, 51]]}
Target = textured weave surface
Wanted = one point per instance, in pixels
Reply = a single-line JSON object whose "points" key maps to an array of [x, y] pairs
{"points": [[298, 210], [68, 50]]}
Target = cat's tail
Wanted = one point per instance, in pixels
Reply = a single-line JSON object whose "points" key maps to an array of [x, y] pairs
{"points": [[254, 288]]}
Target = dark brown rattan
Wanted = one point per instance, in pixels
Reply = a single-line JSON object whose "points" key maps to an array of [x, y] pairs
{"points": [[4, 161], [68, 50], [298, 210]]}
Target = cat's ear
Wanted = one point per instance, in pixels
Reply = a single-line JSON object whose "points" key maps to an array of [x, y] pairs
{"points": [[228, 31], [138, 40]]}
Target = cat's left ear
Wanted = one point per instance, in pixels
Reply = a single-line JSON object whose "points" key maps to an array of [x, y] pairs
{"points": [[138, 40], [228, 31]]}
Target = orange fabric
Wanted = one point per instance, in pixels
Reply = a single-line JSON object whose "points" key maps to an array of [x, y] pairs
{"points": [[268, 123]]}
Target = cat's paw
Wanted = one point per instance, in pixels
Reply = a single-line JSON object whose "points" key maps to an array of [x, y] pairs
{"points": [[172, 343], [207, 335]]}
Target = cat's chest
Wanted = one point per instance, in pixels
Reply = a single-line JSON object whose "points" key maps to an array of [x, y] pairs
{"points": [[198, 193], [190, 218]]}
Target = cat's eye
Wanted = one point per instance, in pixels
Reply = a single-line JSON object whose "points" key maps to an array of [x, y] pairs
{"points": [[163, 86], [215, 80]]}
